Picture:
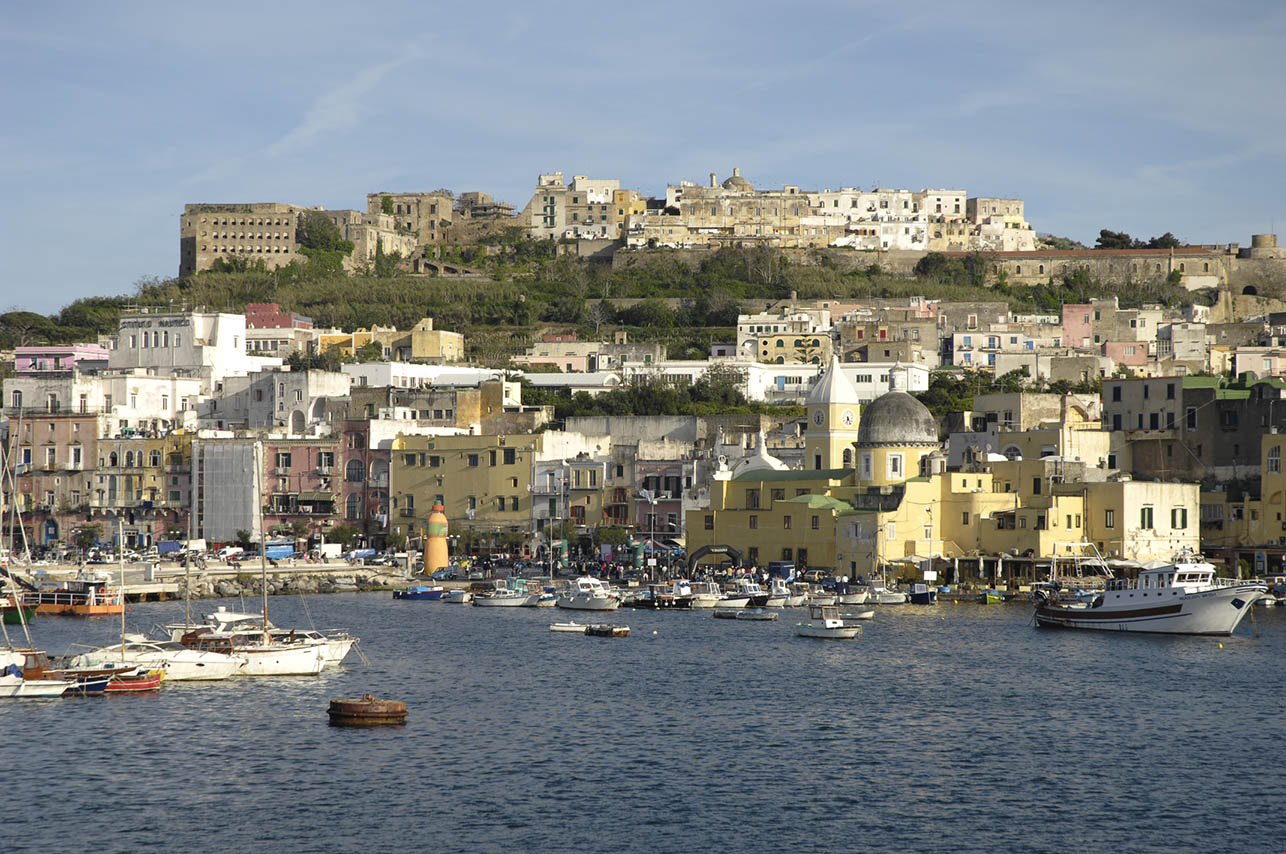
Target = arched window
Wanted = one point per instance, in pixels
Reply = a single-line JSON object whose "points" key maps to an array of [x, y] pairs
{"points": [[111, 459], [848, 458], [1018, 269], [354, 471], [353, 507], [129, 459]]}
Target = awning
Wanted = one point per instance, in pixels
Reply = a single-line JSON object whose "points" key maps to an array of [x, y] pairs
{"points": [[316, 496]]}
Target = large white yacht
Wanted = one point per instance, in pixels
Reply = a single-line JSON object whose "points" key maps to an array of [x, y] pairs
{"points": [[588, 594], [1184, 598]]}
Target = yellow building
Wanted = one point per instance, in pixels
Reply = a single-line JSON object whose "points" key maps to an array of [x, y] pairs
{"points": [[484, 482], [435, 346]]}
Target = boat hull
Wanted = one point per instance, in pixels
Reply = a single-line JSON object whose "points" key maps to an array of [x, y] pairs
{"points": [[1208, 612], [804, 630], [283, 660], [500, 601], [588, 603], [18, 688]]}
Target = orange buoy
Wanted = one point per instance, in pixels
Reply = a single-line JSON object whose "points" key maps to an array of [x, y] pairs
{"points": [[366, 711]]}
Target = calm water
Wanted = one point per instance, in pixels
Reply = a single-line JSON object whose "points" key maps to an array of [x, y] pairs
{"points": [[951, 728]]}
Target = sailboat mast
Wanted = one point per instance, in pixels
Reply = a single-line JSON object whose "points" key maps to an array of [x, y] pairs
{"points": [[120, 542], [263, 537]]}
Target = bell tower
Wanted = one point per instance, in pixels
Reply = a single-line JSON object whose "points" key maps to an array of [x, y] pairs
{"points": [[832, 409]]}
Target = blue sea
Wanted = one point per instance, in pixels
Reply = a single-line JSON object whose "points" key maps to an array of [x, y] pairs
{"points": [[955, 727]]}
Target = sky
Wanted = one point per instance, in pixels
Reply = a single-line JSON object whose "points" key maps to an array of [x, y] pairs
{"points": [[1144, 117]]}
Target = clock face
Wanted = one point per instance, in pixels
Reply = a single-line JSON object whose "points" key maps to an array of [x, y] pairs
{"points": [[819, 418], [846, 418]]}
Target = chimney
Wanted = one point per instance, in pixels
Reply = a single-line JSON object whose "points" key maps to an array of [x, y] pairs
{"points": [[736, 172], [713, 180]]}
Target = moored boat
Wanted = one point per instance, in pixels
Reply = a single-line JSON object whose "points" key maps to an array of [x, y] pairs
{"points": [[607, 630], [703, 594], [1185, 597], [588, 594], [85, 595], [180, 662], [421, 592], [825, 622], [922, 594]]}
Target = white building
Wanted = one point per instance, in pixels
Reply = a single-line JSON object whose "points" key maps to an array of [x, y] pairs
{"points": [[791, 383], [415, 375], [207, 345]]}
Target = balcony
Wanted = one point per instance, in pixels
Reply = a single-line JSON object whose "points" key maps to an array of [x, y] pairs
{"points": [[407, 512]]}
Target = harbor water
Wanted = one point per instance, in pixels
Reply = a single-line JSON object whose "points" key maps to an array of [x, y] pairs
{"points": [[946, 728]]}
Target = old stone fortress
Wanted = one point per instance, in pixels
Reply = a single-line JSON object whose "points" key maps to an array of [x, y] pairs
{"points": [[182, 420]]}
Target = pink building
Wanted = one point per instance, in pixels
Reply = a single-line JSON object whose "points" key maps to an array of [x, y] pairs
{"points": [[300, 483], [29, 361], [1078, 326], [1131, 353]]}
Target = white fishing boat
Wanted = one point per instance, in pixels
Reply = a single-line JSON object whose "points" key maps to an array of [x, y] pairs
{"points": [[825, 622], [778, 594], [588, 594], [1184, 597], [13, 684], [798, 594], [848, 593], [705, 594], [862, 612], [818, 595], [502, 596], [179, 662], [883, 594], [458, 596]]}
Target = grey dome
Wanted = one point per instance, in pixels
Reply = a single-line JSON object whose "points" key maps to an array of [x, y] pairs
{"points": [[897, 418], [736, 182]]}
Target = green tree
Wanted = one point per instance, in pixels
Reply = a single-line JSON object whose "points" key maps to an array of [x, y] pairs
{"points": [[1113, 240], [1165, 241], [317, 231], [386, 204], [87, 536]]}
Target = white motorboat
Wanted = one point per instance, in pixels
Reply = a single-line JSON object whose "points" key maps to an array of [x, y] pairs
{"points": [[847, 593], [798, 594], [778, 594], [588, 594], [502, 596], [819, 595], [1185, 597], [180, 662], [825, 622], [458, 596], [865, 612], [756, 596], [704, 594], [14, 684], [572, 628], [882, 594]]}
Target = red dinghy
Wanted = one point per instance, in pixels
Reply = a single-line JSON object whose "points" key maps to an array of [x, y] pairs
{"points": [[146, 680]]}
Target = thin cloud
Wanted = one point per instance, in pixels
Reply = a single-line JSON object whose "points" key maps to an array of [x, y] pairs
{"points": [[337, 109]]}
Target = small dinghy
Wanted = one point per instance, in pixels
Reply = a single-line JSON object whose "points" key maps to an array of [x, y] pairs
{"points": [[568, 628]]}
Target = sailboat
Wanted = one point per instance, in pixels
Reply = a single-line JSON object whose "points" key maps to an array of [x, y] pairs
{"points": [[264, 655]]}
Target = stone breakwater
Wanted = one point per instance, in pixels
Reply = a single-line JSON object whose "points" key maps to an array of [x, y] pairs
{"points": [[248, 584]]}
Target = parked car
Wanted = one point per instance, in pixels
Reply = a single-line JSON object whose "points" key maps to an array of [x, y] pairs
{"points": [[446, 574]]}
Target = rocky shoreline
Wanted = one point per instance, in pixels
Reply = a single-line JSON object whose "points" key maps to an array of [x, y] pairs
{"points": [[248, 584]]}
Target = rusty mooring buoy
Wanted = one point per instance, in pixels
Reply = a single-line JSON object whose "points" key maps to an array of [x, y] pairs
{"points": [[366, 711]]}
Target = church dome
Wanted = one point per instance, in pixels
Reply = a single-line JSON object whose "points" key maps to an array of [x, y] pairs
{"points": [[736, 182], [898, 419]]}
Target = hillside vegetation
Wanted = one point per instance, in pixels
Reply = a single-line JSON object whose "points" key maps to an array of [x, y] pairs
{"points": [[528, 288]]}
